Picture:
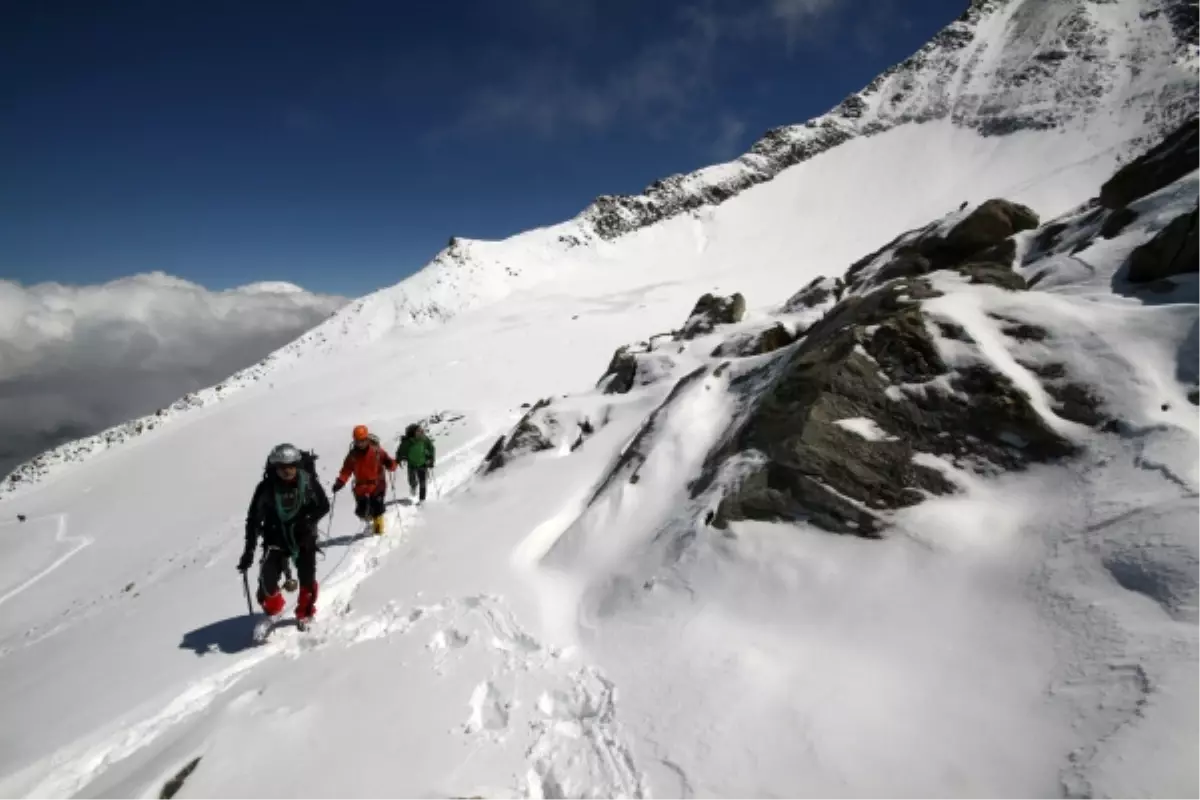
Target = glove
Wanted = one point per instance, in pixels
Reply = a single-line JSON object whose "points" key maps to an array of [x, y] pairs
{"points": [[247, 560], [338, 485], [392, 468]]}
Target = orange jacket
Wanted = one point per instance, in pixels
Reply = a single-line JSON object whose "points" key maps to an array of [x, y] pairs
{"points": [[367, 466]]}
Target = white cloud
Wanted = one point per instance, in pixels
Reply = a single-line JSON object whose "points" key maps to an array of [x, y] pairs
{"points": [[76, 359]]}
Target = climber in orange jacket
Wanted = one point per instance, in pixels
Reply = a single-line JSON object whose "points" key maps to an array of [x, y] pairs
{"points": [[366, 461]]}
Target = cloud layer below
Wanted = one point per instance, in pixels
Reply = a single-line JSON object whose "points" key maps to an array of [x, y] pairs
{"points": [[77, 359]]}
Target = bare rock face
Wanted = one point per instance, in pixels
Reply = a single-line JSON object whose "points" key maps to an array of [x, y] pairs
{"points": [[818, 293], [1164, 164], [873, 358], [621, 372], [1173, 251], [987, 226], [637, 364], [710, 311], [756, 343], [979, 243], [533, 433]]}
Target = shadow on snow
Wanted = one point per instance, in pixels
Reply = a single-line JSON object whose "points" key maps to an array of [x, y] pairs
{"points": [[231, 635]]}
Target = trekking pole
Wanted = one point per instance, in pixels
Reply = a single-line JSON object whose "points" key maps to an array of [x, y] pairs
{"points": [[246, 586], [332, 508]]}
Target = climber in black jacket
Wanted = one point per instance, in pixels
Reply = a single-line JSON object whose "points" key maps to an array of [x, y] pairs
{"points": [[287, 504]]}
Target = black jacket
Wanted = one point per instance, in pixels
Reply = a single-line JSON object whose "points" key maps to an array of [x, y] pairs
{"points": [[262, 518]]}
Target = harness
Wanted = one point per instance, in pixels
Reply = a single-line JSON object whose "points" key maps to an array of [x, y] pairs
{"points": [[288, 503]]}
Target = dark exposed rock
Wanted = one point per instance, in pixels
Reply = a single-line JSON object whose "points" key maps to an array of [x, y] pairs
{"points": [[1049, 372], [813, 469], [1194, 396], [1162, 165], [904, 350], [1077, 403], [906, 265], [756, 344], [172, 787], [954, 331], [710, 311], [621, 372], [1117, 222], [529, 435], [989, 224], [979, 246], [818, 292], [1047, 237], [1020, 330], [995, 275], [1172, 251]]}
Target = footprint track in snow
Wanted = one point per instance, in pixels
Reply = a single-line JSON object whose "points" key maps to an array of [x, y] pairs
{"points": [[63, 773]]}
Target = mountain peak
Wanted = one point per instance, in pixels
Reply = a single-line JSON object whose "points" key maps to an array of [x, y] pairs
{"points": [[1123, 71]]}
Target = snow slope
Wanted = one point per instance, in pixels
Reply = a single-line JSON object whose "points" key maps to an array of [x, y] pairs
{"points": [[555, 629]]}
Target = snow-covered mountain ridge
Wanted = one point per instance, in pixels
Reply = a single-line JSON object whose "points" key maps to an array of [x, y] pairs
{"points": [[1106, 77], [1123, 72]]}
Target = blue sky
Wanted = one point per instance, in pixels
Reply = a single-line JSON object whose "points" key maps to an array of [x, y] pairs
{"points": [[339, 145]]}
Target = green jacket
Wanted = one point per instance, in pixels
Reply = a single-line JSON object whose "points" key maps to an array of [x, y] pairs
{"points": [[418, 451]]}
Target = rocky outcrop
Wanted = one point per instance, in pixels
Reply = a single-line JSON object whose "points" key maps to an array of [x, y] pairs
{"points": [[873, 357], [641, 363], [1167, 162], [755, 343], [977, 244], [621, 372], [532, 434], [821, 292], [710, 311], [1172, 251], [172, 787], [541, 428], [637, 364], [873, 362]]}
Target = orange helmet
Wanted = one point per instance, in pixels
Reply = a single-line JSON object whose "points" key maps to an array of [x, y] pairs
{"points": [[360, 433]]}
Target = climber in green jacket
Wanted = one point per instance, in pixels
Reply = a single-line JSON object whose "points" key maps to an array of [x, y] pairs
{"points": [[417, 450]]}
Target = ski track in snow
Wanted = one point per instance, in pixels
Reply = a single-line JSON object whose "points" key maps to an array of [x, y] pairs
{"points": [[61, 537], [66, 772]]}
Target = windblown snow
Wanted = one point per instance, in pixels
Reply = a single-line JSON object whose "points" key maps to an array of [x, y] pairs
{"points": [[562, 626]]}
